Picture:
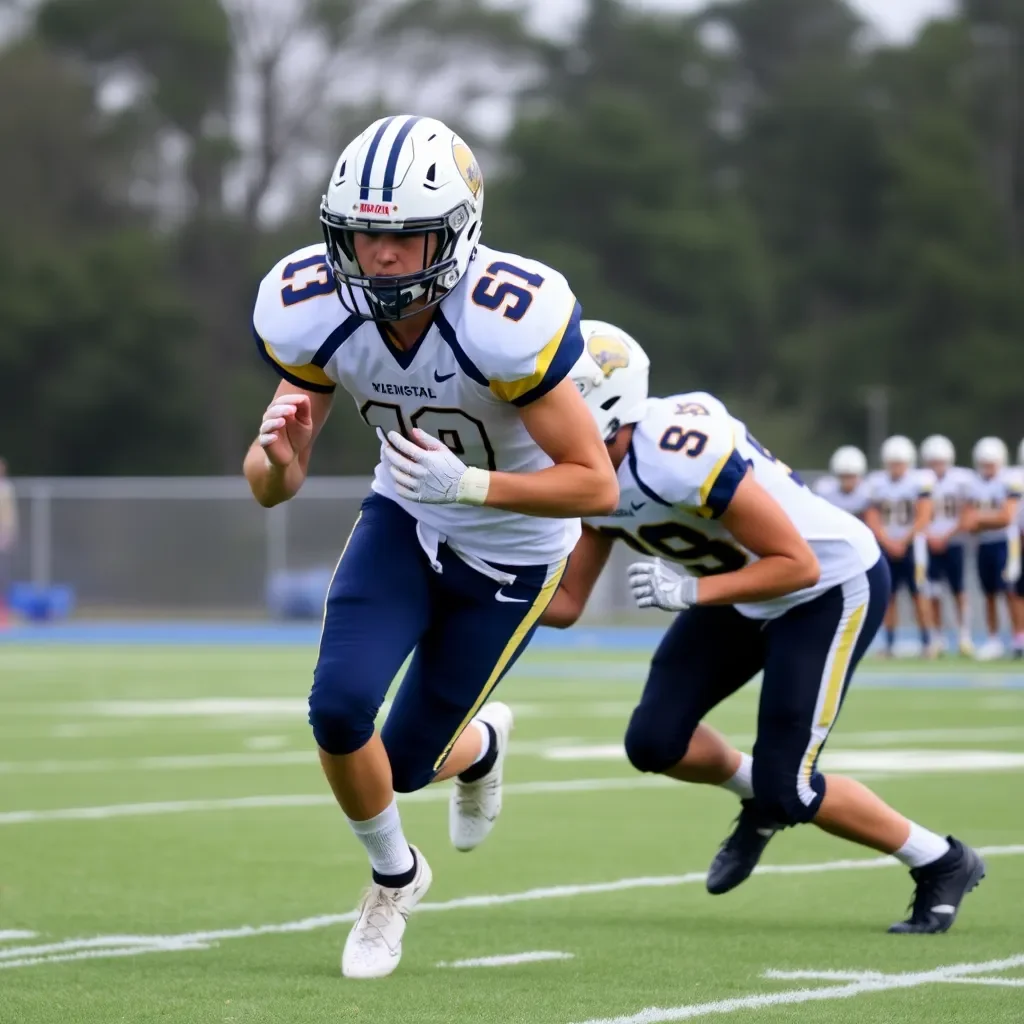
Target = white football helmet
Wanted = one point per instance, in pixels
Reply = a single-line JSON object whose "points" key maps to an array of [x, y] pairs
{"points": [[938, 448], [1020, 454], [990, 451], [899, 450], [408, 175], [611, 376], [848, 461]]}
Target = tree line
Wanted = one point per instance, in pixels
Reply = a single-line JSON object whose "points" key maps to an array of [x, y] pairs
{"points": [[782, 207]]}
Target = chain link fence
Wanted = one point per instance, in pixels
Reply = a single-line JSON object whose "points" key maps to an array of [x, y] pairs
{"points": [[201, 547]]}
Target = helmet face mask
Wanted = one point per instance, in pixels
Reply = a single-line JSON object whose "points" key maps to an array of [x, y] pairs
{"points": [[408, 176]]}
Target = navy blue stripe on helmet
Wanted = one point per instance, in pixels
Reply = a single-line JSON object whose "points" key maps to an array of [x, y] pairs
{"points": [[364, 184], [396, 150]]}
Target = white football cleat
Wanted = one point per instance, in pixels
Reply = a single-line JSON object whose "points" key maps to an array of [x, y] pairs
{"points": [[474, 807], [991, 650], [374, 946], [966, 644]]}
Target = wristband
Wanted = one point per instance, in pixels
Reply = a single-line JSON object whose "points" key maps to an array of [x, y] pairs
{"points": [[473, 487]]}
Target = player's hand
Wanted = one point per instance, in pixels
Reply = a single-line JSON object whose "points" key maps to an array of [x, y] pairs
{"points": [[654, 585], [938, 544], [426, 470], [287, 428]]}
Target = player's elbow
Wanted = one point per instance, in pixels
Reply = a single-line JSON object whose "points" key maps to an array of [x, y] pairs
{"points": [[604, 498], [805, 570]]}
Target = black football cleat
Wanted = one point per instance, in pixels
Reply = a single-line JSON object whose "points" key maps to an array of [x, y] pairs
{"points": [[940, 890], [738, 855]]}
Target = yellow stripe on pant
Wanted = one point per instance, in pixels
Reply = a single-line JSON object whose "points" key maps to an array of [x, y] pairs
{"points": [[542, 600]]}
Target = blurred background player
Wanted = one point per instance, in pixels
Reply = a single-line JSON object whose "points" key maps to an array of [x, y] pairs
{"points": [[1017, 594], [899, 512], [996, 500], [946, 534], [8, 537], [846, 485]]}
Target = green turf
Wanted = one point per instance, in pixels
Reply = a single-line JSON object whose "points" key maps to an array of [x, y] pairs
{"points": [[74, 732]]}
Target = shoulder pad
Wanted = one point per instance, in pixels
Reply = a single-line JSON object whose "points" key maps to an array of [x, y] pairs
{"points": [[824, 485], [298, 322], [687, 459], [925, 482], [518, 322], [1014, 485]]}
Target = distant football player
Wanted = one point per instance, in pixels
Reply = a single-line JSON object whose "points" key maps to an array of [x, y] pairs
{"points": [[775, 580], [997, 493], [1017, 598], [946, 534], [899, 513], [459, 357], [846, 485]]}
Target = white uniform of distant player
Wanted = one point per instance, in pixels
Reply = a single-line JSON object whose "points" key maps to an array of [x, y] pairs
{"points": [[1017, 597], [685, 445], [461, 383]]}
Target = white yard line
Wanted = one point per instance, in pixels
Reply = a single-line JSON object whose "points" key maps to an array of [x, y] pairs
{"points": [[431, 794], [867, 982], [130, 945], [11, 934], [508, 960]]}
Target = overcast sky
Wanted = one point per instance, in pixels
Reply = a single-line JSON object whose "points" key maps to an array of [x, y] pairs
{"points": [[897, 19]]}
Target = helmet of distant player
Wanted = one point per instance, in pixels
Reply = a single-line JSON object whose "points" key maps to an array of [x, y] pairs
{"points": [[404, 175], [990, 456], [848, 464], [1020, 454], [898, 452], [611, 375], [937, 452]]}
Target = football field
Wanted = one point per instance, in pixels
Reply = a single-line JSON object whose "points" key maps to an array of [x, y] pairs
{"points": [[169, 852]]}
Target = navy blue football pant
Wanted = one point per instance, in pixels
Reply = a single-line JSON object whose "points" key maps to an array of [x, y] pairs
{"points": [[992, 558], [947, 565], [807, 655], [903, 571], [386, 602]]}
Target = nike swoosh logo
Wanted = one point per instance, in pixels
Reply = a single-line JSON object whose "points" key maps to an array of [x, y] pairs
{"points": [[499, 596], [441, 378], [637, 505]]}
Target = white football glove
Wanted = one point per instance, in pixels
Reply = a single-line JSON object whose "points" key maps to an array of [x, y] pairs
{"points": [[654, 585], [430, 472]]}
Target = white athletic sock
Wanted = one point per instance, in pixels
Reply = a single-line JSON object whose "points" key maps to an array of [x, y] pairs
{"points": [[742, 783], [922, 848], [384, 842], [485, 741]]}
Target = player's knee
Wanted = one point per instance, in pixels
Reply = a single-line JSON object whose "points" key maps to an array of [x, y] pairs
{"points": [[651, 744], [341, 711], [784, 797]]}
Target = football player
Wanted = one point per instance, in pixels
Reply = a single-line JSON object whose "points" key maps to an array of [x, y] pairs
{"points": [[899, 513], [459, 357], [946, 533], [775, 580], [997, 494], [1017, 598], [846, 486]]}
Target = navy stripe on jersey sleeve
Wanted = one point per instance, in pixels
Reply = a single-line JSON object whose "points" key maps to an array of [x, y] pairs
{"points": [[570, 348], [724, 487], [314, 380]]}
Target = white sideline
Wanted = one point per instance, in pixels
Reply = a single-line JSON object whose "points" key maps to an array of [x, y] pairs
{"points": [[431, 794], [508, 959], [869, 981], [11, 934], [132, 945]]}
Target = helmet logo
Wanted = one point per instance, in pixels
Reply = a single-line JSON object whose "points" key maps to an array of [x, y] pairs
{"points": [[468, 167], [610, 353]]}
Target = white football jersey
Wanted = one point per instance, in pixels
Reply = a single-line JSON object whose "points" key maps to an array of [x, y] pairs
{"points": [[991, 495], [686, 458], [896, 500], [855, 502], [503, 337], [951, 494]]}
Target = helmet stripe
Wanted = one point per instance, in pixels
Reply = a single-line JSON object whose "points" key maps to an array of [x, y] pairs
{"points": [[364, 184], [396, 150]]}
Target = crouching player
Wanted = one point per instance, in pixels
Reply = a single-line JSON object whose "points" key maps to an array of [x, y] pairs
{"points": [[777, 580]]}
